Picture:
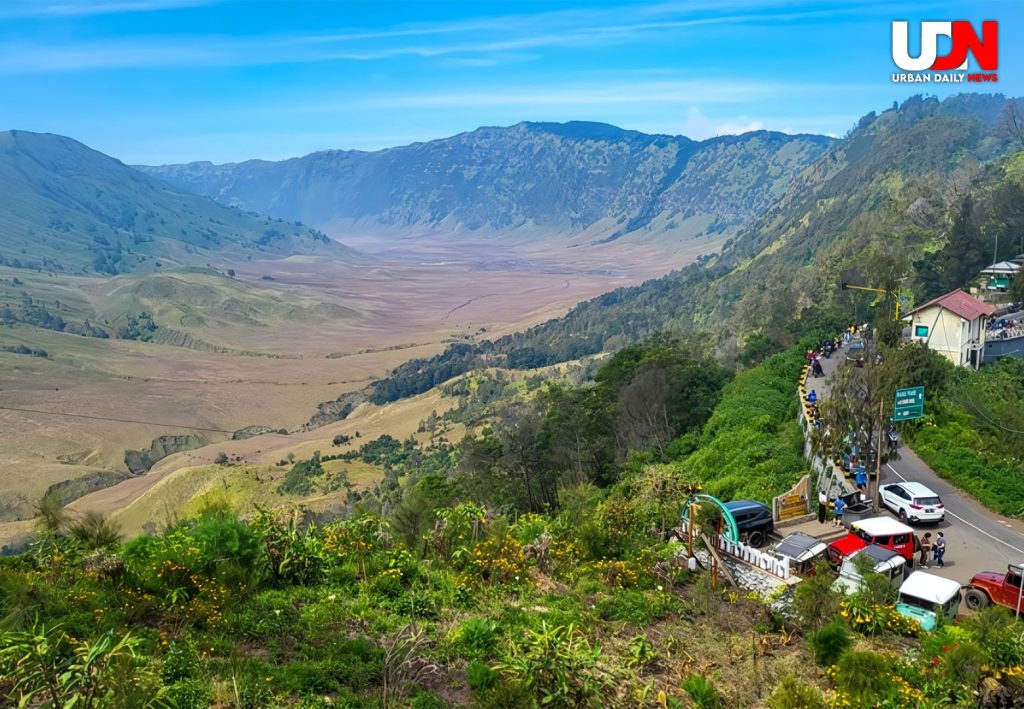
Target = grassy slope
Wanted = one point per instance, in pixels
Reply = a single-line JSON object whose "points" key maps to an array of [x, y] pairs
{"points": [[974, 439], [69, 208], [752, 448], [183, 481]]}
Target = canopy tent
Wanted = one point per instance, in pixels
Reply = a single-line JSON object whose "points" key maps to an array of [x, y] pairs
{"points": [[1003, 268]]}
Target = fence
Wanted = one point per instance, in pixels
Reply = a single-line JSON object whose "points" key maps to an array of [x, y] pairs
{"points": [[829, 479]]}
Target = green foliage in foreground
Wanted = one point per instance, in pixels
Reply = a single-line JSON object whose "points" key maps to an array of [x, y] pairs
{"points": [[580, 608]]}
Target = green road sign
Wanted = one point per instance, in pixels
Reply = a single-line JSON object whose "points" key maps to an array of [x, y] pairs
{"points": [[909, 404]]}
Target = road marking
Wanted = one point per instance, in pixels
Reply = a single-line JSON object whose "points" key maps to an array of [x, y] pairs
{"points": [[951, 514]]}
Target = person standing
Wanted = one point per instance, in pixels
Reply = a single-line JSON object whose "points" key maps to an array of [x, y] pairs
{"points": [[926, 546], [861, 477], [840, 503], [940, 550], [822, 506]]}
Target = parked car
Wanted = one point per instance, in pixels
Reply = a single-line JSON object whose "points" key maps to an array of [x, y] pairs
{"points": [[802, 550], [855, 353], [993, 587], [912, 502], [883, 531], [754, 520], [926, 597], [885, 561]]}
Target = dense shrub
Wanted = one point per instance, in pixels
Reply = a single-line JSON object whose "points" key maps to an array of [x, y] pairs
{"points": [[702, 692], [475, 638], [479, 676], [953, 450], [751, 447], [829, 643]]}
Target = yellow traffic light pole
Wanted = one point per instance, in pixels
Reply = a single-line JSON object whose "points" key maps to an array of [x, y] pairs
{"points": [[895, 294]]}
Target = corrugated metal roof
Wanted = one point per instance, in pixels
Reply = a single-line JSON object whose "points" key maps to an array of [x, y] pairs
{"points": [[961, 303]]}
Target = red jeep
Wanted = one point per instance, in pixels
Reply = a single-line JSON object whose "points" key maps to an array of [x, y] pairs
{"points": [[991, 587], [883, 531]]}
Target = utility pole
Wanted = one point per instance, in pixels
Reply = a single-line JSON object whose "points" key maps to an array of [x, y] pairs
{"points": [[689, 532], [878, 453]]}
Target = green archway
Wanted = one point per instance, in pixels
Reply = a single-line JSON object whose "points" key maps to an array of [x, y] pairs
{"points": [[732, 531]]}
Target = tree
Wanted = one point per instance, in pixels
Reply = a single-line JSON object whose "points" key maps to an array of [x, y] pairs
{"points": [[522, 455], [1017, 288], [578, 433], [1011, 123], [642, 411], [857, 408]]}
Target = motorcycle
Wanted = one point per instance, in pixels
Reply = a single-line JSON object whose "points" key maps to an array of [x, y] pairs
{"points": [[893, 438]]}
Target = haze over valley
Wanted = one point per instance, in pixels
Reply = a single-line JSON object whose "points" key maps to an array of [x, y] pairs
{"points": [[162, 313]]}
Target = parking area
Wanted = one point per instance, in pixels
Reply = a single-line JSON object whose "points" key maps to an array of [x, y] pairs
{"points": [[977, 540]]}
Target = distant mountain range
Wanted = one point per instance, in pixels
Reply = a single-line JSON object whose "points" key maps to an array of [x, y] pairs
{"points": [[924, 189], [571, 177], [67, 208]]}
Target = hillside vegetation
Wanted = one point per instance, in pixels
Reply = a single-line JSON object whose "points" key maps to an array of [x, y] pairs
{"points": [[919, 192], [450, 593], [71, 209], [974, 437], [564, 176]]}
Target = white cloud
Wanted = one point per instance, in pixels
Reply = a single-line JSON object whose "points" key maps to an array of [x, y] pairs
{"points": [[77, 8], [477, 37], [700, 127]]}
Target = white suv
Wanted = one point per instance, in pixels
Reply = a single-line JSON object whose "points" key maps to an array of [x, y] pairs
{"points": [[913, 502]]}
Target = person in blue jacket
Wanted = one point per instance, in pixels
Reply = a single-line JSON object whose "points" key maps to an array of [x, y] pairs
{"points": [[861, 477], [837, 512]]}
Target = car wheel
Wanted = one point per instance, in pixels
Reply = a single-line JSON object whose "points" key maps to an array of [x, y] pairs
{"points": [[903, 516], [976, 599], [755, 539]]}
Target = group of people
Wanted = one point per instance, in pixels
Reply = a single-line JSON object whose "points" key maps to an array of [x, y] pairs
{"points": [[1005, 328], [937, 548], [924, 546], [824, 349]]}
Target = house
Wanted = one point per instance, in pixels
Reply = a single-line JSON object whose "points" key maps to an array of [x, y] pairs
{"points": [[953, 325], [998, 276]]}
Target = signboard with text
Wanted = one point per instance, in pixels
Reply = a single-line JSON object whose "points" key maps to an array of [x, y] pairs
{"points": [[909, 404]]}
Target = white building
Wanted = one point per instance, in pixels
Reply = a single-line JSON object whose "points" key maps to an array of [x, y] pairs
{"points": [[953, 325]]}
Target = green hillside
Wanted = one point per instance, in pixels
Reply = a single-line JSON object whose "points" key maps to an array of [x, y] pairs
{"points": [[70, 209], [198, 308], [920, 191], [467, 592]]}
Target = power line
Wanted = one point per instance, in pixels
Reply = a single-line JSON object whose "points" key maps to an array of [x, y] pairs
{"points": [[977, 409], [117, 420]]}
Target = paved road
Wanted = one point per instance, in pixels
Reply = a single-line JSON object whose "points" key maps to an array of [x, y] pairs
{"points": [[976, 538]]}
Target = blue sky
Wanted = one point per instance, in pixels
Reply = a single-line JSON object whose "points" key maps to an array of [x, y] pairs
{"points": [[154, 81]]}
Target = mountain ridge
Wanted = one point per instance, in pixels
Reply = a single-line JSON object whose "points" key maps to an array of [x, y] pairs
{"points": [[572, 176], [70, 208], [896, 189]]}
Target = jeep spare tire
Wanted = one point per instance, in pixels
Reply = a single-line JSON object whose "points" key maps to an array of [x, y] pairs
{"points": [[976, 599]]}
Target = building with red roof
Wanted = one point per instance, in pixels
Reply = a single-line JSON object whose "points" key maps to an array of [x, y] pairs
{"points": [[953, 325]]}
